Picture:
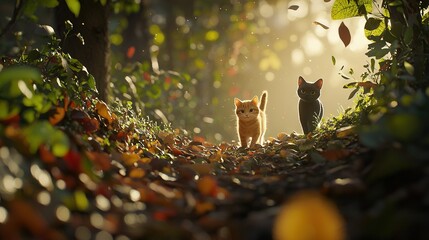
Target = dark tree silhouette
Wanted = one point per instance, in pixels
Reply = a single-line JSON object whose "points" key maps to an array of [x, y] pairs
{"points": [[91, 24]]}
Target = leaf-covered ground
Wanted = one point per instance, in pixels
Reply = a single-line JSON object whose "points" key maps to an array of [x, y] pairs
{"points": [[122, 178]]}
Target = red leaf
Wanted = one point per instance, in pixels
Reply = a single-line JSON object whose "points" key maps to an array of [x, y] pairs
{"points": [[100, 159], [46, 155], [73, 161], [90, 124], [344, 33], [168, 80], [131, 51]]}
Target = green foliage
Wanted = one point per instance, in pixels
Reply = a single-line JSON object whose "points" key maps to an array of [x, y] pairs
{"points": [[161, 95], [350, 8], [42, 132], [74, 6]]}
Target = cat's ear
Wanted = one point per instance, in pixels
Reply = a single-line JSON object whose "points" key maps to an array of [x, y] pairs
{"points": [[319, 83], [300, 81], [237, 102], [255, 100]]}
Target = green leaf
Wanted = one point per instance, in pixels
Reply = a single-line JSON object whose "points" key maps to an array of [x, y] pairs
{"points": [[74, 6], [59, 143], [48, 3], [408, 36], [372, 64], [405, 127], [374, 27], [409, 67], [13, 79], [20, 73], [7, 110], [91, 83], [373, 136], [350, 8], [353, 93], [350, 85], [42, 132]]}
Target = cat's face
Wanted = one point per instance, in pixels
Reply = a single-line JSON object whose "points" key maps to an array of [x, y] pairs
{"points": [[247, 110], [309, 91]]}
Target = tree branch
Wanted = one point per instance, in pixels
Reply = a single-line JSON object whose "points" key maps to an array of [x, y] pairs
{"points": [[16, 10]]}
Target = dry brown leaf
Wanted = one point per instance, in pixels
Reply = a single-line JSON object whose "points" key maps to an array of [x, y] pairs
{"points": [[344, 33]]}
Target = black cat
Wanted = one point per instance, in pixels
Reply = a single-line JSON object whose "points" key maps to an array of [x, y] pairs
{"points": [[310, 108]]}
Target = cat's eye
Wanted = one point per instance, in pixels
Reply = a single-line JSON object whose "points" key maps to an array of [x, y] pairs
{"points": [[302, 91], [251, 110], [312, 92], [241, 111]]}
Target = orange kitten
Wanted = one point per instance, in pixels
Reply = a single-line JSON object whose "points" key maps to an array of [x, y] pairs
{"points": [[251, 120]]}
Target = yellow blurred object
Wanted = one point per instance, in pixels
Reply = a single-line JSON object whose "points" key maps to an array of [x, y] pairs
{"points": [[309, 216]]}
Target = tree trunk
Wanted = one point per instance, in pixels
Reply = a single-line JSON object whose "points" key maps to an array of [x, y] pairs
{"points": [[92, 26], [137, 35]]}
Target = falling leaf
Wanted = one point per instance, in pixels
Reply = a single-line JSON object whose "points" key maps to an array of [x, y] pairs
{"points": [[293, 7], [344, 33], [308, 215], [321, 24]]}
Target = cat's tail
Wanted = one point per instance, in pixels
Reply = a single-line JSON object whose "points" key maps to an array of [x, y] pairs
{"points": [[263, 101]]}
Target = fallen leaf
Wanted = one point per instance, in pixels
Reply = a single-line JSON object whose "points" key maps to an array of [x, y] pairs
{"points": [[104, 111], [130, 158], [100, 159], [346, 131], [201, 168], [56, 117], [203, 207], [335, 154], [137, 173], [207, 185]]}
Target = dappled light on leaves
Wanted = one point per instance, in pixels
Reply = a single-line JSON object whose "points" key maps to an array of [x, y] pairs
{"points": [[73, 166]]}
